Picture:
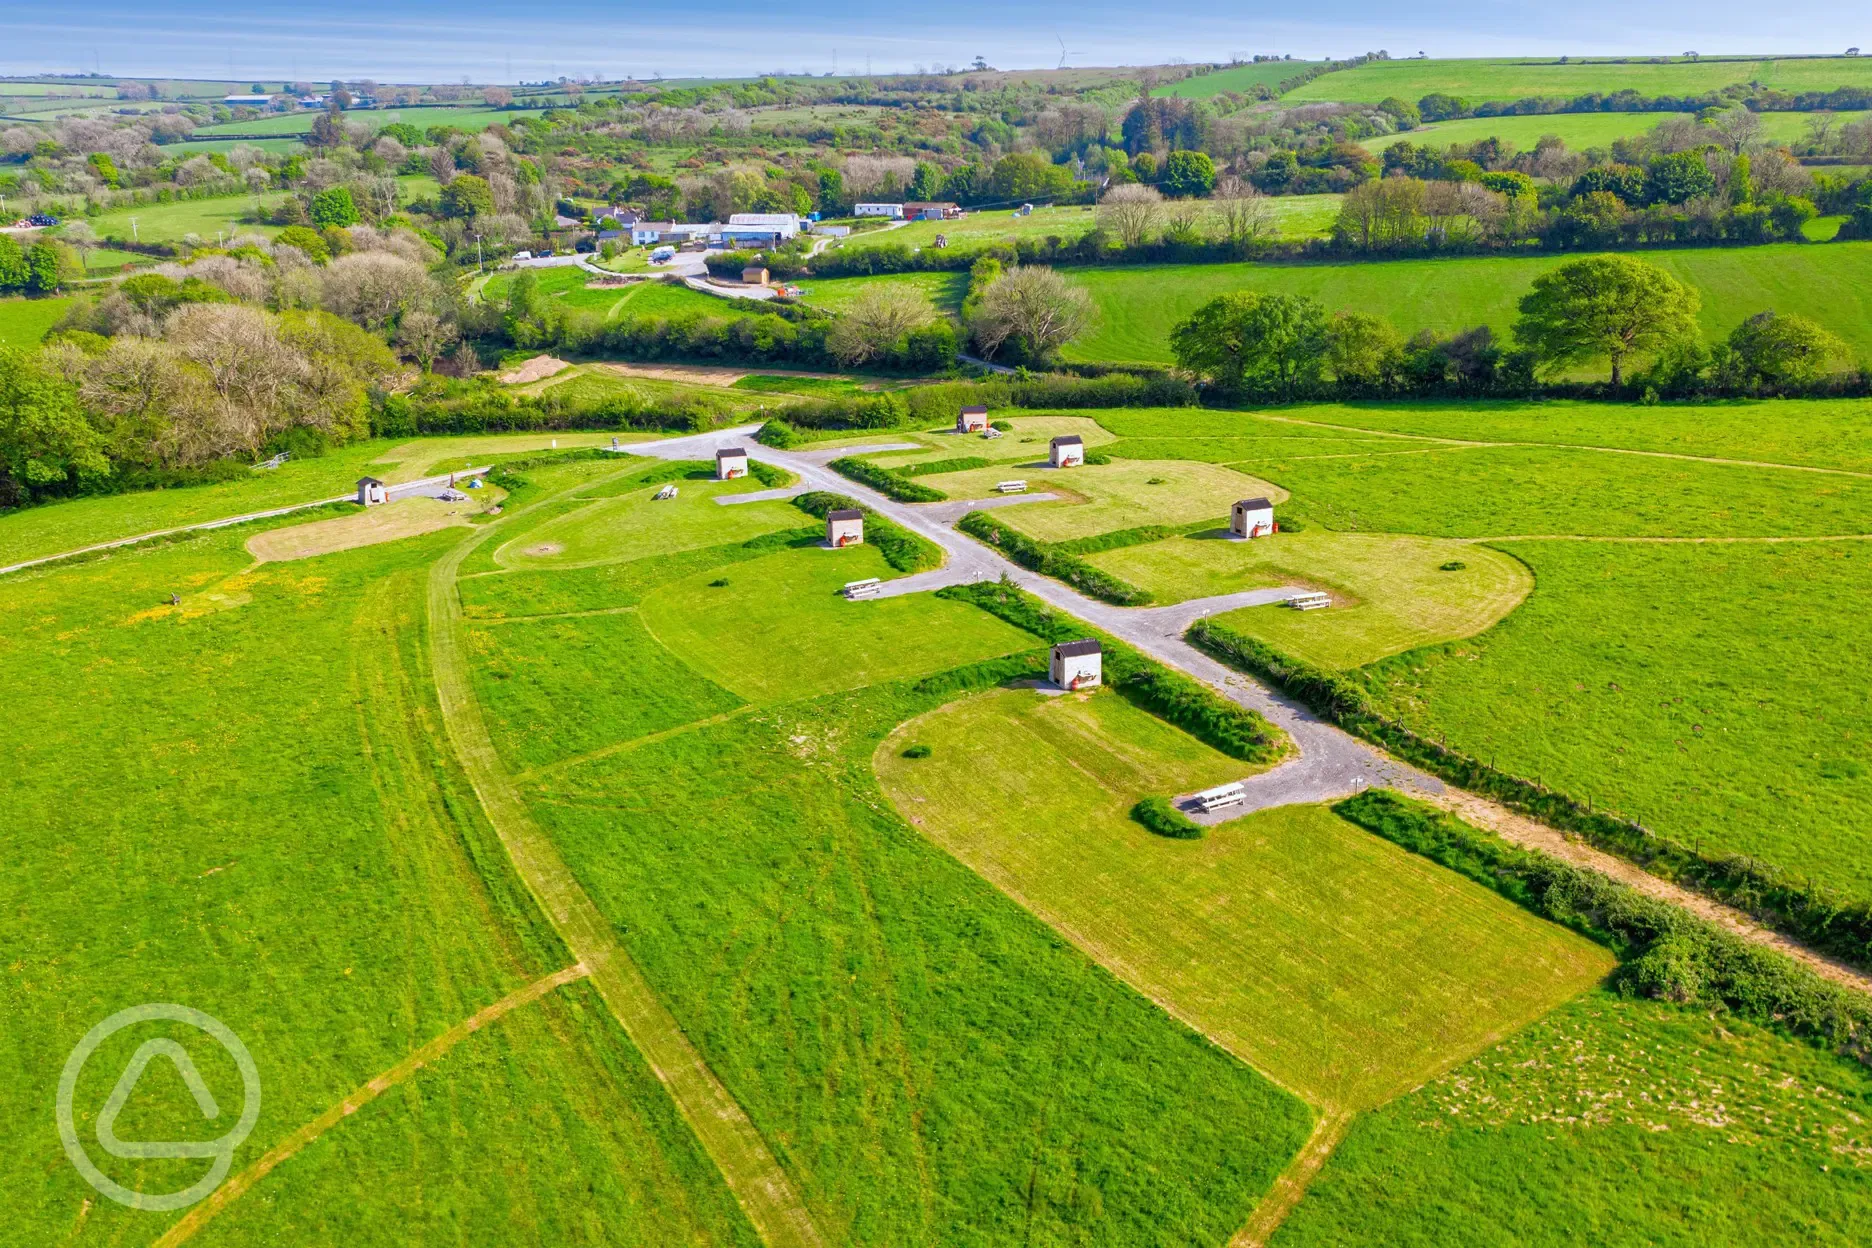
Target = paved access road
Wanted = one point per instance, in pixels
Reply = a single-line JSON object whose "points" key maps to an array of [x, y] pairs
{"points": [[1329, 764]]}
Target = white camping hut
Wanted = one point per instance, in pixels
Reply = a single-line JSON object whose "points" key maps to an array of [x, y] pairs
{"points": [[370, 492], [1067, 451], [730, 463], [1077, 664], [844, 527], [972, 420], [1252, 517]]}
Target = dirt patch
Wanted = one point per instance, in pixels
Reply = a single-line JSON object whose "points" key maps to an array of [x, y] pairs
{"points": [[539, 368], [407, 517], [700, 374], [543, 550]]}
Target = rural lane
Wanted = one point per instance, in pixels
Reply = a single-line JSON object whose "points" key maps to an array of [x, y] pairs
{"points": [[1329, 764]]}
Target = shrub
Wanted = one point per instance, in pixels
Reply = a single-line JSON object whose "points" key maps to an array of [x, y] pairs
{"points": [[778, 434], [1162, 817], [884, 481], [1051, 561], [1454, 565], [917, 751]]}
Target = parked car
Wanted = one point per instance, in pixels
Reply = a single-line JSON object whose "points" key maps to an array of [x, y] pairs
{"points": [[585, 246], [662, 255]]}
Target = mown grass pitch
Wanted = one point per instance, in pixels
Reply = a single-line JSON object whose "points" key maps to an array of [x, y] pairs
{"points": [[1390, 591], [1102, 498], [24, 322], [1340, 965], [1615, 1122], [242, 805], [637, 524], [780, 629], [1138, 306]]}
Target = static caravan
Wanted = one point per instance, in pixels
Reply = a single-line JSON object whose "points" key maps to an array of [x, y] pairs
{"points": [[730, 463], [844, 527], [893, 212], [1076, 664], [1067, 451], [1252, 517], [972, 420]]}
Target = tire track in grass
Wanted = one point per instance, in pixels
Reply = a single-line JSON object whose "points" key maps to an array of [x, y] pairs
{"points": [[723, 1128], [1293, 1181], [240, 1184]]}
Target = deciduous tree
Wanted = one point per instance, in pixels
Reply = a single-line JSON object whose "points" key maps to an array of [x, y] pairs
{"points": [[1034, 308], [1277, 339], [1607, 306]]}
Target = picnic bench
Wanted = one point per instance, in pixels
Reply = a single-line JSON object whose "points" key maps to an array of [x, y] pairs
{"points": [[1011, 487], [1309, 602], [867, 588], [1222, 795]]}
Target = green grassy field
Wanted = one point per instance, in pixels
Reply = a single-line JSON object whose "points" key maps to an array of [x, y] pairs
{"points": [[1346, 968], [637, 524], [1579, 130], [1498, 492], [1711, 692], [422, 117], [226, 215], [1236, 78], [928, 1062], [62, 526], [1614, 1122], [287, 845], [23, 322], [1102, 498], [1390, 592], [1295, 216], [1139, 306], [1819, 433], [1505, 79], [570, 286], [780, 630]]}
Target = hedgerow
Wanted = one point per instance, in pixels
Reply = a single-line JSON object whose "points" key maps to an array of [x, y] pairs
{"points": [[1051, 561], [885, 481], [1664, 951], [1139, 536], [930, 468], [1222, 724], [1162, 817], [901, 548], [1840, 927]]}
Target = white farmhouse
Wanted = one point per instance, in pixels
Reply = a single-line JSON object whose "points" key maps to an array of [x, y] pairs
{"points": [[730, 463], [1077, 664], [1067, 451], [1252, 517], [844, 527]]}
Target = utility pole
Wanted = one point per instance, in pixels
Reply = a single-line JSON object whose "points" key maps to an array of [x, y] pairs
{"points": [[478, 265], [133, 233]]}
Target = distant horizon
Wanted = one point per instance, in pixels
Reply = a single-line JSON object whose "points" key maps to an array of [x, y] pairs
{"points": [[78, 76], [427, 41]]}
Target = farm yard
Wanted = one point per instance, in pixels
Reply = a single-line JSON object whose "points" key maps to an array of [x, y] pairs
{"points": [[1122, 747]]}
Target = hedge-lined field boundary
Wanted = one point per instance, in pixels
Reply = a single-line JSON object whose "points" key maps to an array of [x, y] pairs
{"points": [[1665, 952], [901, 548], [1049, 560], [1837, 926]]}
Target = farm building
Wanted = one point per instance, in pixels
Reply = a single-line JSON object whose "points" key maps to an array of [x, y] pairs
{"points": [[783, 224], [1076, 664], [844, 527], [894, 212], [645, 233], [972, 420], [370, 491], [730, 462], [754, 275], [1067, 451], [931, 211], [1252, 517]]}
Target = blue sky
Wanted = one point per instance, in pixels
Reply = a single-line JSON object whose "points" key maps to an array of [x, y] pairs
{"points": [[443, 40]]}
